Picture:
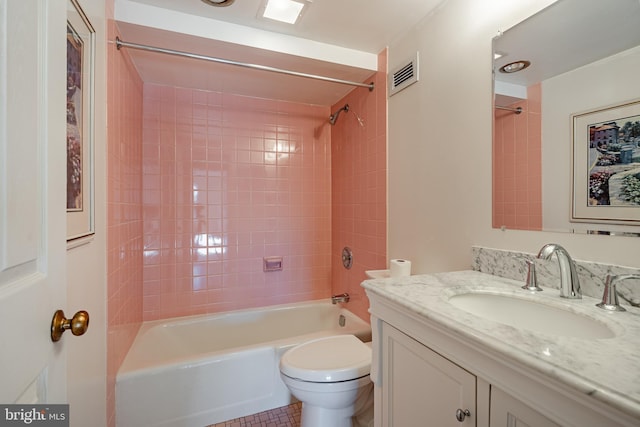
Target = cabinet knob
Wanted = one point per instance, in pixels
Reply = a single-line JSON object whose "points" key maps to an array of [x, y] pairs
{"points": [[461, 414]]}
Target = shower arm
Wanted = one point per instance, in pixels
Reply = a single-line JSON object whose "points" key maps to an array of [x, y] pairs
{"points": [[334, 117]]}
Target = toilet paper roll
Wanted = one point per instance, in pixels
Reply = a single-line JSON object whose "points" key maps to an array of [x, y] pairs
{"points": [[400, 267]]}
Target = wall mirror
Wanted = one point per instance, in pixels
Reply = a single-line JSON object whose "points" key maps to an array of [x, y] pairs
{"points": [[575, 59]]}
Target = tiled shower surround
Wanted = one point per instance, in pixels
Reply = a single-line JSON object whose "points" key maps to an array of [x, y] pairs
{"points": [[517, 160], [124, 205], [203, 185], [228, 180], [359, 189]]}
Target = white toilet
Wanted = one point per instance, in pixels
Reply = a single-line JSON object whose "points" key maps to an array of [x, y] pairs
{"points": [[330, 376]]}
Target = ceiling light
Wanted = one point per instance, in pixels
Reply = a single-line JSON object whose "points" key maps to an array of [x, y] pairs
{"points": [[283, 10], [514, 67], [218, 3]]}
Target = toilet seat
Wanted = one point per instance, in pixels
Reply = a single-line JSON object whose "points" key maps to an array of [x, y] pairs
{"points": [[325, 360]]}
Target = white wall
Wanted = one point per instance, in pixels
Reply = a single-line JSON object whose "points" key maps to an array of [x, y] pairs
{"points": [[440, 146], [86, 267]]}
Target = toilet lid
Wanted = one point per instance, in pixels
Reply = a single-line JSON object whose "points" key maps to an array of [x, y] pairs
{"points": [[330, 359]]}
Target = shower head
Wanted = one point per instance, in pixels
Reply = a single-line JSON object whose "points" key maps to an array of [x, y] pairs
{"points": [[334, 117]]}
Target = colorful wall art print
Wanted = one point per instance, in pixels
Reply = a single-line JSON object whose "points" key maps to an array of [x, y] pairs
{"points": [[80, 123], [606, 163], [74, 119]]}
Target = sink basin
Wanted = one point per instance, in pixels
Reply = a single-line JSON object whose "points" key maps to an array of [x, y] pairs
{"points": [[531, 315]]}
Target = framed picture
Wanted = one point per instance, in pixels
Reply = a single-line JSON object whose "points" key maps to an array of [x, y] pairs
{"points": [[606, 165], [80, 131]]}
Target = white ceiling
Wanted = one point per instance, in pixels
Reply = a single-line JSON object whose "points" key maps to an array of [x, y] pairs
{"points": [[335, 38], [567, 35]]}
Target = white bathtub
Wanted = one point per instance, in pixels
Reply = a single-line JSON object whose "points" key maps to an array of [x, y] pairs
{"points": [[201, 370]]}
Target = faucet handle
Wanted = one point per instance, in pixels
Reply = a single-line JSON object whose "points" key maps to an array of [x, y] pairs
{"points": [[610, 296], [532, 280], [342, 298]]}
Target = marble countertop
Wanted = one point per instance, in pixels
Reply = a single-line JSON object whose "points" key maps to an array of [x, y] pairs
{"points": [[606, 369]]}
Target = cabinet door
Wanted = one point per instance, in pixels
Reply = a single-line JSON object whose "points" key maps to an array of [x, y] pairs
{"points": [[507, 411], [422, 388]]}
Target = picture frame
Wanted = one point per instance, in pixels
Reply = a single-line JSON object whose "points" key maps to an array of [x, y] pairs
{"points": [[606, 165], [80, 123]]}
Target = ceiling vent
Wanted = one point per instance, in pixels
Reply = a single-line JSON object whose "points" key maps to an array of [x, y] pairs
{"points": [[404, 76]]}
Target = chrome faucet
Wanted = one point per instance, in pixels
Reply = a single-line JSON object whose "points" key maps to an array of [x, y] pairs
{"points": [[340, 298], [569, 281], [610, 296]]}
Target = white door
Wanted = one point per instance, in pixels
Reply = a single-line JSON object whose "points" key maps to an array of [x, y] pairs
{"points": [[32, 199]]}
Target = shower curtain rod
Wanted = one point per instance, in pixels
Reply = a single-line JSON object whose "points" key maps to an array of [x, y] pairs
{"points": [[517, 110], [121, 43]]}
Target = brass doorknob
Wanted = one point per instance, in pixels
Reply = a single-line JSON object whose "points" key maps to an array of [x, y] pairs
{"points": [[78, 324]]}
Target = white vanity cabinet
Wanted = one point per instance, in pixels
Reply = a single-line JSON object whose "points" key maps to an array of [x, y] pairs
{"points": [[409, 397], [506, 411], [424, 371], [422, 388]]}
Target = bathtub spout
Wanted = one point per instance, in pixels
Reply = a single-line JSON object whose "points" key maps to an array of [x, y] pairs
{"points": [[340, 298]]}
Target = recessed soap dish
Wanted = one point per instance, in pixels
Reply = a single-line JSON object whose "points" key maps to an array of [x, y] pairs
{"points": [[272, 263]]}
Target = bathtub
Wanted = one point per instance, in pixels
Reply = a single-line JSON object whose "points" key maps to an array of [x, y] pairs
{"points": [[201, 370]]}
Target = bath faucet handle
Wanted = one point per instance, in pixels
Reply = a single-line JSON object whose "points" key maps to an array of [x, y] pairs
{"points": [[344, 297], [532, 280], [610, 296]]}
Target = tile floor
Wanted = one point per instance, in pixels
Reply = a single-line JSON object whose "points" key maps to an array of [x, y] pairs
{"points": [[287, 416]]}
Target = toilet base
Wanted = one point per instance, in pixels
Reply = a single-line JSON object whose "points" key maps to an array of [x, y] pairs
{"points": [[358, 414], [314, 416]]}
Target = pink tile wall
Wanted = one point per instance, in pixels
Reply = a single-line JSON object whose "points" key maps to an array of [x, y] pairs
{"points": [[229, 180], [517, 168], [124, 204], [359, 188]]}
